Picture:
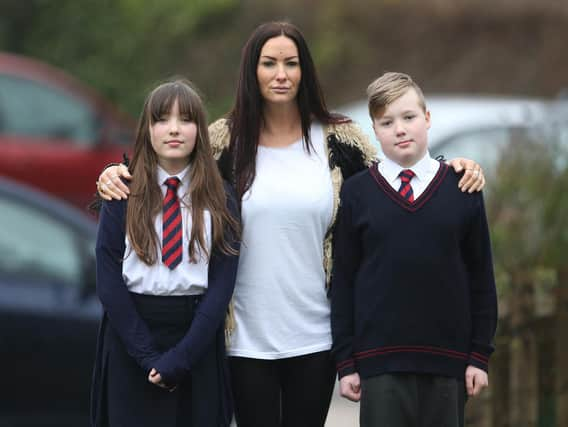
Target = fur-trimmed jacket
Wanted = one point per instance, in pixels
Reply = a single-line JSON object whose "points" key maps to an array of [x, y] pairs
{"points": [[349, 151]]}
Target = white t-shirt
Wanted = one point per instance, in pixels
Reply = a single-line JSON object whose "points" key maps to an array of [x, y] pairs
{"points": [[281, 307]]}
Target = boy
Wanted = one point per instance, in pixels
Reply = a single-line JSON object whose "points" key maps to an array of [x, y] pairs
{"points": [[414, 306]]}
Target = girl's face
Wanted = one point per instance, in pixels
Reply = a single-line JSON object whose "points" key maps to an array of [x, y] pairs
{"points": [[278, 71], [173, 138]]}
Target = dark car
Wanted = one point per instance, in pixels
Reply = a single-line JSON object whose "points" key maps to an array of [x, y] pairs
{"points": [[56, 133], [49, 313]]}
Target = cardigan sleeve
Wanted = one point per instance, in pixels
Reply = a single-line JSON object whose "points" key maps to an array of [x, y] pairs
{"points": [[483, 294], [112, 290], [210, 313], [346, 256]]}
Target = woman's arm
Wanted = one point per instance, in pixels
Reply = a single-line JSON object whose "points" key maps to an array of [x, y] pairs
{"points": [[112, 290], [110, 186]]}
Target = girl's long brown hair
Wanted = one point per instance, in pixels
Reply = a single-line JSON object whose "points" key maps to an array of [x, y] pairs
{"points": [[206, 189]]}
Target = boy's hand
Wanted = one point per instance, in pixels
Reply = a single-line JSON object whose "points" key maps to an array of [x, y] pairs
{"points": [[472, 179], [350, 387], [109, 184], [475, 380]]}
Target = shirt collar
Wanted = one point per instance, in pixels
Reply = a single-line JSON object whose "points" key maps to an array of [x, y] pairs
{"points": [[183, 177], [422, 169]]}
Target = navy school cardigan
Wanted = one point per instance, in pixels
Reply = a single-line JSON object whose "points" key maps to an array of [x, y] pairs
{"points": [[175, 363]]}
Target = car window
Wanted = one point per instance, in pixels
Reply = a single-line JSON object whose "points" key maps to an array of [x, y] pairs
{"points": [[31, 109], [485, 146], [34, 246]]}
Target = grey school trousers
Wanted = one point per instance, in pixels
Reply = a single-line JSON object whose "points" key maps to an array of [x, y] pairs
{"points": [[412, 400]]}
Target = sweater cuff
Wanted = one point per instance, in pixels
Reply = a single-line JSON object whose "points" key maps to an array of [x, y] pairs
{"points": [[479, 355], [346, 367], [170, 370], [147, 363], [479, 360]]}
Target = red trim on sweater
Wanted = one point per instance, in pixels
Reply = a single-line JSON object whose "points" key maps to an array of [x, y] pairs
{"points": [[398, 199], [345, 363], [411, 349], [479, 357]]}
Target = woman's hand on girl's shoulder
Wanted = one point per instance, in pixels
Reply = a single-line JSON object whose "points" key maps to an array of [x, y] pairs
{"points": [[110, 185]]}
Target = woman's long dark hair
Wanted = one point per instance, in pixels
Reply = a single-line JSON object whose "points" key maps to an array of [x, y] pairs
{"points": [[246, 117]]}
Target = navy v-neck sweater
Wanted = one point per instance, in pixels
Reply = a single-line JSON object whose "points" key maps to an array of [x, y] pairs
{"points": [[412, 286]]}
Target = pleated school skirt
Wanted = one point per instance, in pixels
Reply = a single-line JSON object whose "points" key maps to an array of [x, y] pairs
{"points": [[121, 394]]}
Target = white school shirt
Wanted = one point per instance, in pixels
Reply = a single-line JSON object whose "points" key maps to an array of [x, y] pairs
{"points": [[281, 307], [424, 170], [187, 278]]}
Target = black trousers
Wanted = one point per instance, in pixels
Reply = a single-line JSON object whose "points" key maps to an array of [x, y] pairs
{"points": [[290, 392], [412, 400]]}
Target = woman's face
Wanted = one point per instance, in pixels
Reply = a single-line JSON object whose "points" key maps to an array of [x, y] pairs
{"points": [[278, 70]]}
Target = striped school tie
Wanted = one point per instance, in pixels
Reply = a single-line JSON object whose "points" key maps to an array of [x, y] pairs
{"points": [[171, 226], [405, 189]]}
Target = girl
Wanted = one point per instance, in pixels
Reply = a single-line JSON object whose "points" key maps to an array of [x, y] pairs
{"points": [[166, 266]]}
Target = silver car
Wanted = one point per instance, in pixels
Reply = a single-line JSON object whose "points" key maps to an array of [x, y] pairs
{"points": [[479, 127]]}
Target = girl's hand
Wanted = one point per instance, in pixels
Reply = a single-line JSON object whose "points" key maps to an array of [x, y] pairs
{"points": [[473, 179], [155, 378], [109, 184]]}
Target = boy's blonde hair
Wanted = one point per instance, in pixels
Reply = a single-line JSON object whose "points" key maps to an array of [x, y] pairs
{"points": [[387, 89]]}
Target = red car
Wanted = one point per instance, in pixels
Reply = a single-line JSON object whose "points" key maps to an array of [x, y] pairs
{"points": [[56, 133]]}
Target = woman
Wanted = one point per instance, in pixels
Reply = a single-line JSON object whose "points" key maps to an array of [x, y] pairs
{"points": [[287, 156], [166, 266]]}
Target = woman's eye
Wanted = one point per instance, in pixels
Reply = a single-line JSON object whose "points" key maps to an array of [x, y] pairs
{"points": [[267, 63], [292, 63]]}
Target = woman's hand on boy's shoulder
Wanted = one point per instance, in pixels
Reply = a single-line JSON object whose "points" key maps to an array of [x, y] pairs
{"points": [[472, 179]]}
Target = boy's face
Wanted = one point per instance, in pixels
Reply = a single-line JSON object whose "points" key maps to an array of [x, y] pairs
{"points": [[402, 129]]}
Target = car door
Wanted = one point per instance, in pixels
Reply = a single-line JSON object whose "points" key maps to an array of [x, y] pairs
{"points": [[54, 139], [48, 314]]}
